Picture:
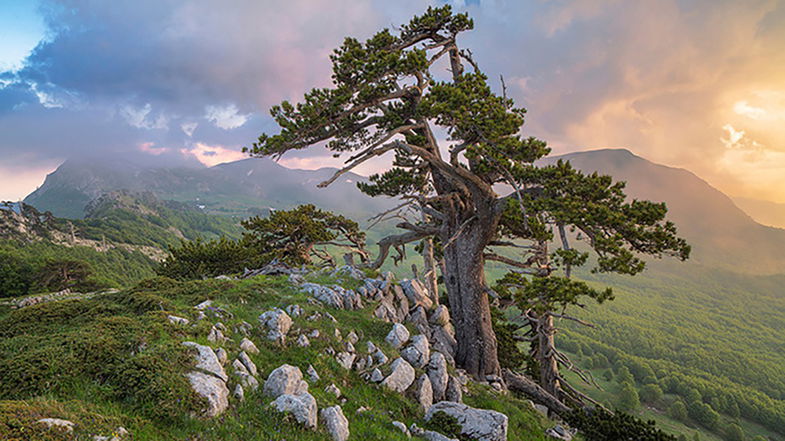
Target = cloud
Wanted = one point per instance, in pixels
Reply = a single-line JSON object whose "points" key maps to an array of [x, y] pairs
{"points": [[225, 117], [662, 78], [211, 155]]}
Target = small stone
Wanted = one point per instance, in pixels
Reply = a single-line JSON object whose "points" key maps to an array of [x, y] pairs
{"points": [[416, 293], [312, 374], [379, 357], [239, 367], [248, 346], [294, 310], [277, 323], [247, 380], [418, 352], [337, 333], [345, 359], [336, 423], [398, 336], [376, 376], [437, 373], [402, 427], [314, 334], [333, 390], [352, 338], [361, 409], [220, 326], [204, 305], [440, 316], [370, 347], [215, 335], [349, 347], [173, 319], [302, 341], [248, 363], [239, 393], [423, 392]]}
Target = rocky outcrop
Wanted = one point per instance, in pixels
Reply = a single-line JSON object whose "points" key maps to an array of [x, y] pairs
{"points": [[334, 295], [336, 423], [476, 424], [207, 361], [58, 423]]}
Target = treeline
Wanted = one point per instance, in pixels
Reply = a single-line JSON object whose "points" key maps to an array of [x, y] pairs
{"points": [[42, 266], [702, 397]]}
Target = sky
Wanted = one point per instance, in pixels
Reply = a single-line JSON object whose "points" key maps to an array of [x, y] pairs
{"points": [[698, 84]]}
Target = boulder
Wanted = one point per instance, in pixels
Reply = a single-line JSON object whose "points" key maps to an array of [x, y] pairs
{"points": [[207, 361], [437, 373], [211, 388], [398, 336], [248, 363], [302, 406], [401, 377], [422, 392], [418, 353], [277, 323], [416, 293], [336, 423], [476, 424], [285, 379], [248, 346]]}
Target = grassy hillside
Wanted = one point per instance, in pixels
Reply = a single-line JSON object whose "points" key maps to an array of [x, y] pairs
{"points": [[115, 360]]}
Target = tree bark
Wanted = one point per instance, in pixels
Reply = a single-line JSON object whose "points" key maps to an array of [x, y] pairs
{"points": [[467, 293]]}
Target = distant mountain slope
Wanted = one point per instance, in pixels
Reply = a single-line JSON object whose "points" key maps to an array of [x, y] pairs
{"points": [[721, 234], [238, 188], [764, 212]]}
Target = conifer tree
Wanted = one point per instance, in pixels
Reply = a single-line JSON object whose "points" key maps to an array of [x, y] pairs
{"points": [[390, 96]]}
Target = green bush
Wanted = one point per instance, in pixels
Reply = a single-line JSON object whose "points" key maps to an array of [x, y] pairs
{"points": [[600, 425]]}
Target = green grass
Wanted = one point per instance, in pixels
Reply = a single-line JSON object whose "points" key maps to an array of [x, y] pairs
{"points": [[114, 360]]}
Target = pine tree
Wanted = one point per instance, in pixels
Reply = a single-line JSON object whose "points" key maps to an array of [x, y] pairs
{"points": [[387, 96]]}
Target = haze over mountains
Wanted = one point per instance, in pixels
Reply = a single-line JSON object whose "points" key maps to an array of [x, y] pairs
{"points": [[720, 232]]}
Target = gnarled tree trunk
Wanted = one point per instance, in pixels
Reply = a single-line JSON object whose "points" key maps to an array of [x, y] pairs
{"points": [[549, 369], [467, 292]]}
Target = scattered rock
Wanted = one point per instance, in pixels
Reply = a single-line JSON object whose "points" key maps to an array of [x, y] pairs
{"points": [[285, 380], [312, 374], [437, 373], [335, 296], [247, 380], [559, 432], [361, 409], [294, 310], [476, 424], [248, 363], [352, 338], [207, 361], [239, 367], [542, 409], [345, 359], [277, 323], [377, 376], [370, 347], [349, 347], [66, 425], [211, 388], [248, 346], [215, 335], [379, 357], [173, 319], [418, 353], [301, 406], [337, 333], [348, 271], [333, 390], [401, 377], [314, 334], [302, 341], [243, 328], [204, 305], [398, 336], [402, 427], [336, 423], [239, 393]]}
